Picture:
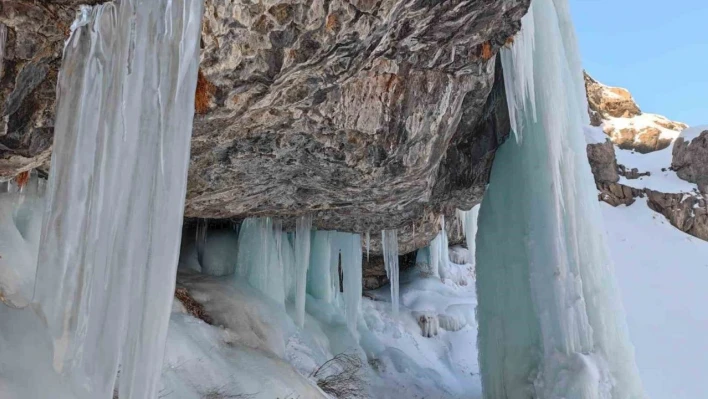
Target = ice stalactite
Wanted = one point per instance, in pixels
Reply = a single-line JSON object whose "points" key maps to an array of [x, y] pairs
{"points": [[368, 245], [349, 247], [439, 255], [21, 207], [302, 263], [551, 323], [468, 220], [319, 277], [200, 240], [389, 243], [262, 258], [111, 232]]}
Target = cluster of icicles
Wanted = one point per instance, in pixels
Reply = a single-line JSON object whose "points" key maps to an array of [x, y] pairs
{"points": [[288, 266]]}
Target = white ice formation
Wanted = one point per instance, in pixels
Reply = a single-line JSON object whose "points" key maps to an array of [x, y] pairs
{"points": [[551, 323]]}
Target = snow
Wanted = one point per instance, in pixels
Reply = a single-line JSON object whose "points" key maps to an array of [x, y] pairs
{"points": [[643, 121], [255, 346], [594, 135], [662, 274], [665, 181], [693, 132], [551, 320]]}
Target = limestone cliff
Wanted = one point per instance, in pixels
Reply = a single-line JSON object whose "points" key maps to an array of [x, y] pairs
{"points": [[367, 114]]}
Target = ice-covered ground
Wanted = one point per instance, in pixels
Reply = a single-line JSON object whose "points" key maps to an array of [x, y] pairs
{"points": [[255, 349], [662, 273]]}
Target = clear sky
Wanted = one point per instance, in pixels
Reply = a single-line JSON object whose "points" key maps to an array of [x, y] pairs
{"points": [[658, 49]]}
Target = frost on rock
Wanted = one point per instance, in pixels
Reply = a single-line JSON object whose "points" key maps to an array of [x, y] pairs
{"points": [[551, 323], [389, 242], [112, 223]]}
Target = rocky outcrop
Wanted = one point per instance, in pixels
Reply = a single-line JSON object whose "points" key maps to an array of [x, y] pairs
{"points": [[690, 159], [687, 212], [374, 271], [367, 114], [603, 162], [610, 102], [628, 127]]}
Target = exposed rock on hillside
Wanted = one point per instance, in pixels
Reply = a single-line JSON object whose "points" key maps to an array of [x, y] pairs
{"points": [[603, 162], [610, 102], [615, 110], [686, 211], [690, 157], [368, 114]]}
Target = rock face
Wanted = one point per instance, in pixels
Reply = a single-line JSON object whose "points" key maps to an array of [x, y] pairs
{"points": [[690, 159], [603, 162], [367, 114], [615, 110], [610, 102]]}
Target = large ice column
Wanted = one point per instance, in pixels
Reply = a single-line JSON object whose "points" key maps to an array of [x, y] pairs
{"points": [[111, 234], [303, 227], [389, 243], [551, 320]]}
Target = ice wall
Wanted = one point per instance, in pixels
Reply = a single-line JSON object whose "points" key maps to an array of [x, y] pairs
{"points": [[389, 243], [551, 321], [111, 230]]}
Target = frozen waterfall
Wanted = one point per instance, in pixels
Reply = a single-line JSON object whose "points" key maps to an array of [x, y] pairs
{"points": [[112, 223], [551, 320]]}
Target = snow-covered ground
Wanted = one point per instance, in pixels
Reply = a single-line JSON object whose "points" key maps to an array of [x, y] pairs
{"points": [[662, 273], [255, 349], [657, 163]]}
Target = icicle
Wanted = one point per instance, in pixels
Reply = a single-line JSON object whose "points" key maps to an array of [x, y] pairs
{"points": [[302, 259], [468, 220], [112, 225], [20, 227], [349, 246], [319, 279], [261, 257], [368, 244], [334, 253], [200, 239], [389, 243], [551, 323]]}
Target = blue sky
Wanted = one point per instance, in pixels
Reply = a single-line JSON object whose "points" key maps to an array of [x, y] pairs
{"points": [[657, 49]]}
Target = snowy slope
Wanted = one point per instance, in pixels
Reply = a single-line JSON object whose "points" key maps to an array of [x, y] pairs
{"points": [[657, 163], [663, 277]]}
